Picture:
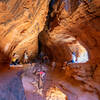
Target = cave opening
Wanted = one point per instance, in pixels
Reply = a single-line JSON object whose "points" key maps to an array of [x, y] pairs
{"points": [[80, 51]]}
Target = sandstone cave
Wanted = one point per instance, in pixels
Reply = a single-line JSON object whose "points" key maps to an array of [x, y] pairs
{"points": [[50, 31]]}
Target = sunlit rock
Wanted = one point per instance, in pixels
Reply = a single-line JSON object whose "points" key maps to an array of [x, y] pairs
{"points": [[63, 27], [55, 94], [20, 24]]}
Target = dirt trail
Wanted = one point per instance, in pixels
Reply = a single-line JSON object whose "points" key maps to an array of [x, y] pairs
{"points": [[14, 86], [11, 87], [55, 87]]}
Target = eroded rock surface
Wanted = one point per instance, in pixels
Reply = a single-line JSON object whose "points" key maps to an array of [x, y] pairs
{"points": [[77, 30], [20, 24], [73, 25]]}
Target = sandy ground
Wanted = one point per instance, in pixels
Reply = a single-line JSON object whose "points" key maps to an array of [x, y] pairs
{"points": [[16, 85], [11, 87], [69, 89]]}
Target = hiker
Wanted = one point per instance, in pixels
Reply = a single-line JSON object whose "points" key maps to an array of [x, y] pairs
{"points": [[73, 58], [45, 59], [64, 66], [15, 59], [25, 57], [53, 65], [41, 75], [41, 55]]}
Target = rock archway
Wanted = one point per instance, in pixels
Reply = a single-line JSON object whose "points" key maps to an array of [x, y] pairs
{"points": [[79, 25]]}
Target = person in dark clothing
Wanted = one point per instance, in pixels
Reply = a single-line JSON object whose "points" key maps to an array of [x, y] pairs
{"points": [[45, 59], [73, 58], [15, 59]]}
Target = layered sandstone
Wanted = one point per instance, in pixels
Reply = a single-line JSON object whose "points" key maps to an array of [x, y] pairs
{"points": [[76, 29], [20, 24], [71, 25]]}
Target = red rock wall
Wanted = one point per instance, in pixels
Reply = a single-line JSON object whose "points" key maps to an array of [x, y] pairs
{"points": [[82, 26], [76, 25], [20, 23]]}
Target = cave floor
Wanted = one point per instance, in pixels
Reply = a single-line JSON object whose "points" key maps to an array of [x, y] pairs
{"points": [[17, 83]]}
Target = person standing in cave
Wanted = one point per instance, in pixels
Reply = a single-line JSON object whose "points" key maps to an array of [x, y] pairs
{"points": [[53, 65], [64, 66], [40, 75], [41, 56], [45, 59], [25, 57], [15, 59], [74, 59]]}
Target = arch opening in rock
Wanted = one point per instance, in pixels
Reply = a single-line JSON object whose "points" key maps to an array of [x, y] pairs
{"points": [[81, 52]]}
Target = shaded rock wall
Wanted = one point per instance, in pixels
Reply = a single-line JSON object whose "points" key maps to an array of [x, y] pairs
{"points": [[76, 25], [20, 23], [82, 26]]}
